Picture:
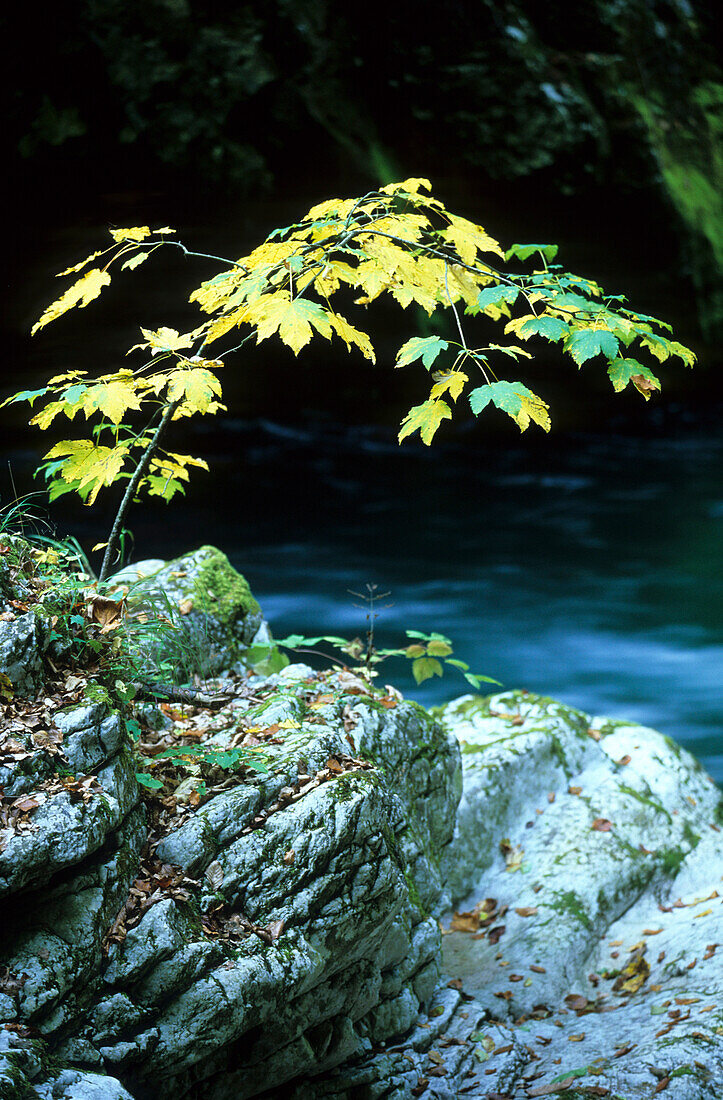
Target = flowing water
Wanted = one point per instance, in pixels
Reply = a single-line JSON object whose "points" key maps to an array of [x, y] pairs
{"points": [[586, 567]]}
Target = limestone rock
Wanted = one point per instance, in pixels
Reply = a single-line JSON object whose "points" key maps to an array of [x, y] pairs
{"points": [[213, 616], [319, 879], [23, 641], [600, 844], [72, 820]]}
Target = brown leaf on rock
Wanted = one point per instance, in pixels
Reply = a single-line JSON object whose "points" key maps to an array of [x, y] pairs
{"points": [[602, 825], [576, 1002], [275, 928], [537, 969], [662, 1084], [185, 606], [513, 854], [623, 760], [526, 911], [107, 613], [465, 922], [496, 933], [595, 734]]}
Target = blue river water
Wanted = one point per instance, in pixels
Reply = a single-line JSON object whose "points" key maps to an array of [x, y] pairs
{"points": [[585, 567]]}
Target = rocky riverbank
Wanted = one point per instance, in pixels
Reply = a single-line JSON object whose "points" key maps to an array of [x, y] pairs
{"points": [[294, 884]]}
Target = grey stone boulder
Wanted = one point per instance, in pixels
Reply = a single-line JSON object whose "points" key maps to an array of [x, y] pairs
{"points": [[599, 845], [24, 1074], [23, 642], [71, 821], [341, 864], [453, 1050], [211, 617]]}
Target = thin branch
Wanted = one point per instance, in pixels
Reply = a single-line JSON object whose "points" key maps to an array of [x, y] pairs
{"points": [[131, 489]]}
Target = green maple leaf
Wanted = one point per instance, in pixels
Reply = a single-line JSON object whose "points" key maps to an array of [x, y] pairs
{"points": [[497, 296], [623, 371], [524, 251], [514, 399], [423, 668], [552, 328], [426, 348], [587, 343]]}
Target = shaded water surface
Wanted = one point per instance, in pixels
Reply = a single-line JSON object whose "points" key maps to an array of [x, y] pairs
{"points": [[586, 567]]}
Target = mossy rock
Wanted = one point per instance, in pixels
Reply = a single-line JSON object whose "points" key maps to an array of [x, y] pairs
{"points": [[205, 615]]}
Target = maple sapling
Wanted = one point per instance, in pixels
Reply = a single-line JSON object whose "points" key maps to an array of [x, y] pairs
{"points": [[399, 240]]}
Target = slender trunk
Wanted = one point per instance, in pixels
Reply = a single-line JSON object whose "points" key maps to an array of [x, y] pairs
{"points": [[130, 492]]}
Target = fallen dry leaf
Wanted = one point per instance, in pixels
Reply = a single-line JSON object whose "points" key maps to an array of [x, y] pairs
{"points": [[602, 825], [574, 790], [526, 911], [513, 855], [186, 606]]}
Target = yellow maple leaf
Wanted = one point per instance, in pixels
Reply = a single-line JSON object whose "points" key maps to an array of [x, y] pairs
{"points": [[67, 377], [412, 185], [451, 381], [76, 267], [88, 464], [351, 335], [372, 279], [214, 293], [291, 318], [330, 207], [135, 261], [532, 408], [224, 324], [111, 399], [425, 419], [79, 294], [469, 239], [138, 233], [165, 339], [46, 416], [196, 388], [188, 460], [333, 275]]}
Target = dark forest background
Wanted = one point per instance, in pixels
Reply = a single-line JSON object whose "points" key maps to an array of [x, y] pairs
{"points": [[596, 125]]}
